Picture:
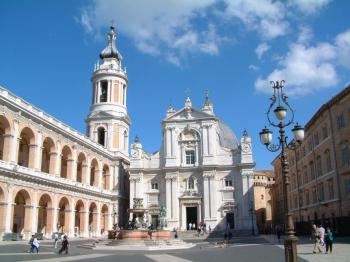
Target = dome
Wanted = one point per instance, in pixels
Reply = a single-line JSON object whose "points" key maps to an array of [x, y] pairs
{"points": [[226, 137], [111, 50]]}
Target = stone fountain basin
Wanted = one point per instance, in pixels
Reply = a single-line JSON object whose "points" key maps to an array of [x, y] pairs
{"points": [[144, 234]]}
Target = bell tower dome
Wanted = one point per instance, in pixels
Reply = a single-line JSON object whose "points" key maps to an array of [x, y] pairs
{"points": [[108, 122]]}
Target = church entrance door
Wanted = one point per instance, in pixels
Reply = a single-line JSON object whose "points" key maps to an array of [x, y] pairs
{"points": [[191, 217], [154, 221]]}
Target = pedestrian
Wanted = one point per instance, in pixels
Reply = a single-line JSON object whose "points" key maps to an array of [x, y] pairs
{"points": [[55, 239], [35, 245], [279, 233], [65, 245], [329, 240], [189, 226], [31, 244], [323, 232], [318, 235]]}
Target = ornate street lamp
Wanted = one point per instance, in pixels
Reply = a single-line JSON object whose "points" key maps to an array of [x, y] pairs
{"points": [[281, 110]]}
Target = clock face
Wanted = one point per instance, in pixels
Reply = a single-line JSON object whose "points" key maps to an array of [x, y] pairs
{"points": [[246, 148]]}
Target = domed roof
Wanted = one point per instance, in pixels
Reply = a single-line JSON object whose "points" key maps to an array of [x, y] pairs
{"points": [[111, 50], [226, 136]]}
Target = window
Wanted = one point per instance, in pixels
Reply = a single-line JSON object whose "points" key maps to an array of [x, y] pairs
{"points": [[190, 157], [325, 132], [154, 185], [305, 175], [190, 183], [316, 139], [319, 166], [104, 91], [228, 182], [345, 156], [307, 198], [301, 200], [101, 136], [321, 191], [312, 170], [347, 187], [340, 121], [314, 196], [330, 189], [328, 160]]}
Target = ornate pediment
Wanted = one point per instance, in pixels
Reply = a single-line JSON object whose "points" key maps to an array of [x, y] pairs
{"points": [[185, 114]]}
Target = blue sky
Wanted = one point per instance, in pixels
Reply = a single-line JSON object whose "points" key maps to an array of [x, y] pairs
{"points": [[230, 48]]}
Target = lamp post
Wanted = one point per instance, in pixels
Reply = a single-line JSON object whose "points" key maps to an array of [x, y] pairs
{"points": [[281, 110]]}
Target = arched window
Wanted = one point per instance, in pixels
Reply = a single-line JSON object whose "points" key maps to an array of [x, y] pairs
{"points": [[104, 91], [101, 132], [25, 152], [66, 162], [4, 130]]}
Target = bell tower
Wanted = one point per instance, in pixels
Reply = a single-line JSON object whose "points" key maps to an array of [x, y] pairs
{"points": [[108, 122]]}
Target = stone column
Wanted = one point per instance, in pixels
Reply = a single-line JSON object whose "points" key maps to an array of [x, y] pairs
{"points": [[50, 221], [14, 144], [28, 217], [98, 179], [53, 160], [8, 140], [85, 173], [9, 209], [206, 199], [84, 222], [98, 222], [205, 140], [168, 142], [37, 152], [35, 212], [169, 198], [69, 222], [3, 216], [212, 194], [71, 171]]}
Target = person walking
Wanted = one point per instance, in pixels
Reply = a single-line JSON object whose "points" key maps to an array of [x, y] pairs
{"points": [[65, 245], [31, 244], [329, 240], [55, 240], [317, 244], [323, 232], [36, 245]]}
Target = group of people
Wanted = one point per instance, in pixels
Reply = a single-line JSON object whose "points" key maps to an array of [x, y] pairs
{"points": [[321, 237], [35, 244], [201, 229]]}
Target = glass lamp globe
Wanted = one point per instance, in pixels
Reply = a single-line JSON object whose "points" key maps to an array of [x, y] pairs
{"points": [[265, 136], [280, 112], [298, 132]]}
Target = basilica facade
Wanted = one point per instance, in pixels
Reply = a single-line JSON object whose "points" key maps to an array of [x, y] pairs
{"points": [[55, 179], [201, 174]]}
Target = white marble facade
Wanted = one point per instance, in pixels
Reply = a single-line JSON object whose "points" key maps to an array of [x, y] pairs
{"points": [[201, 174]]}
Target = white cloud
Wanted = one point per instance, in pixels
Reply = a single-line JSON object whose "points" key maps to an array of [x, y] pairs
{"points": [[342, 41], [261, 49], [305, 70], [305, 35], [309, 6], [157, 27], [253, 67], [264, 16]]}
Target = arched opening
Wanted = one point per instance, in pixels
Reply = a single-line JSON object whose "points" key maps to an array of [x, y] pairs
{"points": [[5, 130], [63, 216], [104, 219], [81, 166], [105, 178], [45, 215], [66, 158], [47, 156], [79, 225], [104, 91], [93, 173], [101, 135], [25, 151], [93, 218], [22, 213]]}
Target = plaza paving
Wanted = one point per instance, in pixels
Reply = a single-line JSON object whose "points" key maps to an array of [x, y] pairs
{"points": [[262, 248]]}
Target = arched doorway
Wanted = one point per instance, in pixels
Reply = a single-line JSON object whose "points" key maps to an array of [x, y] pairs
{"points": [[47, 158], [93, 218], [105, 177], [63, 216], [4, 145], [79, 223], [93, 173], [104, 219], [101, 135], [22, 213], [66, 158], [81, 168], [45, 218], [25, 151]]}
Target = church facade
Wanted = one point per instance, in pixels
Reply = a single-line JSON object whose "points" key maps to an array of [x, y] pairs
{"points": [[55, 179], [201, 175]]}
